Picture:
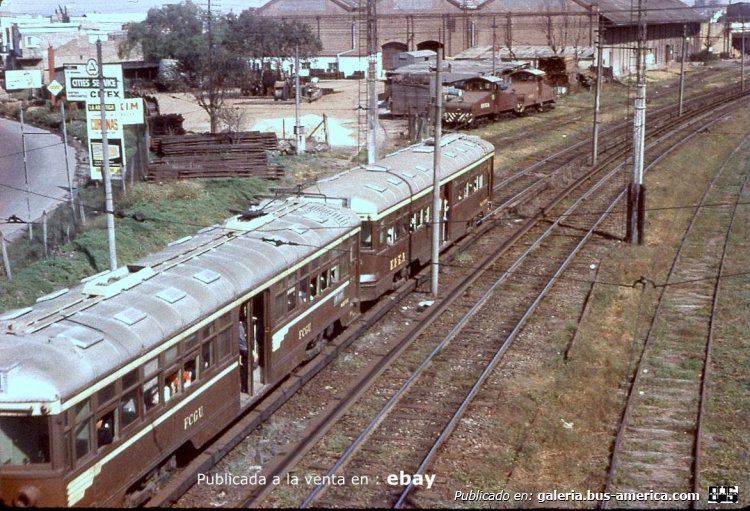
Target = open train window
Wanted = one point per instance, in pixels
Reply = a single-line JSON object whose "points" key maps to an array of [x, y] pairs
{"points": [[225, 343], [334, 274], [83, 428], [390, 236], [313, 287], [323, 281], [291, 299], [366, 236], [151, 394], [105, 429], [129, 408]]}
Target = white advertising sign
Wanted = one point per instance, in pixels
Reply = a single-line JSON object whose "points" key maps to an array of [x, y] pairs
{"points": [[24, 79], [82, 81], [115, 139], [131, 111]]}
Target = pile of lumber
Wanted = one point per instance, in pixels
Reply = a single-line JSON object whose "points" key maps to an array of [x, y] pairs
{"points": [[213, 156]]}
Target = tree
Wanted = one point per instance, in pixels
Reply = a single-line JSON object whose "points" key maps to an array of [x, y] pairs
{"points": [[178, 31]]}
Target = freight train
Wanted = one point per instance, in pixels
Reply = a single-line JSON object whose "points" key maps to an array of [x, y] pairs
{"points": [[101, 384]]}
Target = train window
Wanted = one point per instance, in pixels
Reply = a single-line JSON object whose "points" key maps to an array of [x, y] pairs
{"points": [[83, 439], [313, 287], [279, 305], [427, 215], [189, 373], [24, 440], [207, 331], [366, 238], [302, 295], [170, 355], [192, 341], [151, 367], [334, 274], [151, 393], [391, 235], [381, 233], [323, 281], [207, 355], [130, 379], [291, 299], [83, 409], [226, 319], [106, 394], [344, 265], [129, 408], [105, 429], [171, 386], [225, 343]]}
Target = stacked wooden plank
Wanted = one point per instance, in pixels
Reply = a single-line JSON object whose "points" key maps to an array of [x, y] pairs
{"points": [[213, 156]]}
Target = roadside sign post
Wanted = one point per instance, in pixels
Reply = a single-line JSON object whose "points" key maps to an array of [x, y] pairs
{"points": [[109, 203], [55, 88]]}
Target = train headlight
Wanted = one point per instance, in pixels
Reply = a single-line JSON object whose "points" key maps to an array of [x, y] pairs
{"points": [[28, 496]]}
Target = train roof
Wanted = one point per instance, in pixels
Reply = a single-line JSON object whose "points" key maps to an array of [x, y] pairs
{"points": [[73, 338], [373, 191]]}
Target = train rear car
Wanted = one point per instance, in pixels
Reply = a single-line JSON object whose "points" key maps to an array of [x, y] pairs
{"points": [[393, 199], [102, 383]]}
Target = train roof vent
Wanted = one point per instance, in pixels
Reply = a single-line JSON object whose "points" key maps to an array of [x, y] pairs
{"points": [[395, 181], [376, 168], [298, 228], [179, 241], [111, 283], [81, 337], [422, 169], [449, 139], [171, 295], [130, 316], [460, 149], [373, 186], [16, 313], [248, 223], [424, 149], [316, 217], [207, 276], [52, 295]]}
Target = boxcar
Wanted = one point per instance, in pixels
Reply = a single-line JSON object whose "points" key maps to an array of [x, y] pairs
{"points": [[393, 199], [101, 383]]}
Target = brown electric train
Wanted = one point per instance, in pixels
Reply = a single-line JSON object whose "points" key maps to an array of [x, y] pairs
{"points": [[101, 384]]}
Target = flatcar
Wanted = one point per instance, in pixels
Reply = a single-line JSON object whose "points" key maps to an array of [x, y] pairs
{"points": [[393, 199], [483, 99], [101, 384]]}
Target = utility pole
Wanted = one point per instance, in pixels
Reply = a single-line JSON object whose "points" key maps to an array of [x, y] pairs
{"points": [[742, 58], [299, 130], [108, 202], [372, 90], [436, 212], [598, 89], [636, 203], [26, 174], [494, 45], [682, 68]]}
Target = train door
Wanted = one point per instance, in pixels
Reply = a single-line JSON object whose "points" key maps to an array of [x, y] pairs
{"points": [[445, 230], [252, 363]]}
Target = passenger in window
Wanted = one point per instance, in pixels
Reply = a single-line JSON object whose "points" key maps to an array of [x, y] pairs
{"points": [[105, 430], [151, 396], [243, 356], [128, 410]]}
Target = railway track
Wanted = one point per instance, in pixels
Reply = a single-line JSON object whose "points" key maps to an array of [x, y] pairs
{"points": [[659, 438], [264, 411]]}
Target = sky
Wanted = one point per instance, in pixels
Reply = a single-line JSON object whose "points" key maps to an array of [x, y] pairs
{"points": [[79, 7]]}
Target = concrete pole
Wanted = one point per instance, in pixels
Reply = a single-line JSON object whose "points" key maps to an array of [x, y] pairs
{"points": [[682, 68], [299, 131], [636, 205], [742, 58], [26, 175], [372, 90], [67, 164], [436, 210], [597, 95], [106, 176]]}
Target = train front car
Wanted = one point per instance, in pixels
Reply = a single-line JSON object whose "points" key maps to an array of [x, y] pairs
{"points": [[481, 99], [393, 198], [101, 384]]}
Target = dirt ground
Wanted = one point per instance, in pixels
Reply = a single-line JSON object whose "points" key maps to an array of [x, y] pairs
{"points": [[264, 114]]}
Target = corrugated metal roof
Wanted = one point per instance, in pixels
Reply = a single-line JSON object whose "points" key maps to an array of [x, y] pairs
{"points": [[524, 52], [625, 12]]}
